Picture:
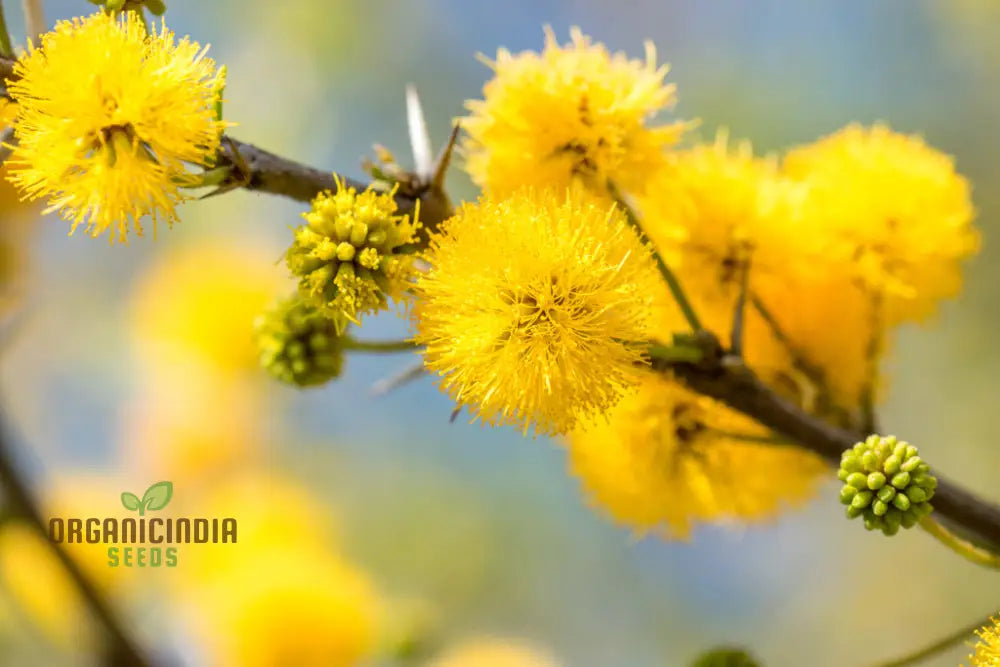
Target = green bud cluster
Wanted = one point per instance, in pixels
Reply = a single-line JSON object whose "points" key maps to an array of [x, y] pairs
{"points": [[886, 484], [347, 256], [298, 344], [725, 657]]}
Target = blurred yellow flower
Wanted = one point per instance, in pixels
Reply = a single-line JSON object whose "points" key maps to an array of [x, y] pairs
{"points": [[107, 118], [570, 111], [536, 308], [831, 323], [896, 214], [287, 606], [39, 586], [987, 650], [345, 255], [493, 652], [667, 459], [715, 209], [199, 304], [36, 580], [173, 426], [271, 512]]}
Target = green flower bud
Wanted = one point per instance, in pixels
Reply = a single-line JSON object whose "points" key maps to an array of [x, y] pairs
{"points": [[858, 480], [847, 492], [298, 344], [876, 481], [886, 494], [886, 483], [725, 657]]}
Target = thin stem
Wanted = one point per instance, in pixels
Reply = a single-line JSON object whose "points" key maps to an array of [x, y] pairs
{"points": [[123, 650], [869, 421], [769, 439], [34, 20], [675, 353], [963, 548], [936, 647], [6, 49], [668, 275], [798, 358], [736, 334], [377, 346]]}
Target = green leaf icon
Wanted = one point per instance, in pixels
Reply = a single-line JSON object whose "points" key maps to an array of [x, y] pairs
{"points": [[157, 496], [130, 501]]}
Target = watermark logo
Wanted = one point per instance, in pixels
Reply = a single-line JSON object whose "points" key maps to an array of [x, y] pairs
{"points": [[156, 498], [127, 538]]}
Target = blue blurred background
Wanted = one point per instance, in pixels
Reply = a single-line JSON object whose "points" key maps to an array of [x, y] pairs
{"points": [[486, 526]]}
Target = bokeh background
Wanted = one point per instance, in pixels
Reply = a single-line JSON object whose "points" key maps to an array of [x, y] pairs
{"points": [[392, 527]]}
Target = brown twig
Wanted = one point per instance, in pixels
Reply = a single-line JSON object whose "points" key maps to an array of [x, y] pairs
{"points": [[726, 378]]}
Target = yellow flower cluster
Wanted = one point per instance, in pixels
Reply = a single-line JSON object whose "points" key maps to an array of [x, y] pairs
{"points": [[570, 112], [832, 246], [108, 117], [347, 255], [668, 457], [893, 213], [535, 308]]}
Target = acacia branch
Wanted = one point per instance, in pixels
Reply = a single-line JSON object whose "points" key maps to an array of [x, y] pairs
{"points": [[725, 377], [721, 376]]}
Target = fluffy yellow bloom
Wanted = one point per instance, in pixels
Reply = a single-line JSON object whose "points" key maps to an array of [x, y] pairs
{"points": [[896, 214], [345, 255], [493, 652], [667, 460], [570, 111], [199, 304], [830, 321], [107, 119], [287, 606], [715, 209], [987, 650], [535, 308]]}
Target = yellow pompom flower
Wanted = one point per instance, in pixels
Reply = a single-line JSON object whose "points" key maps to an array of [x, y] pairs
{"points": [[493, 652], [829, 320], [987, 650], [895, 213], [535, 308], [288, 606], [107, 118], [667, 459], [570, 111], [346, 255], [715, 209]]}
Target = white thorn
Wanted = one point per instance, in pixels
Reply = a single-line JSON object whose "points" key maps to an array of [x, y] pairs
{"points": [[420, 139], [407, 375]]}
